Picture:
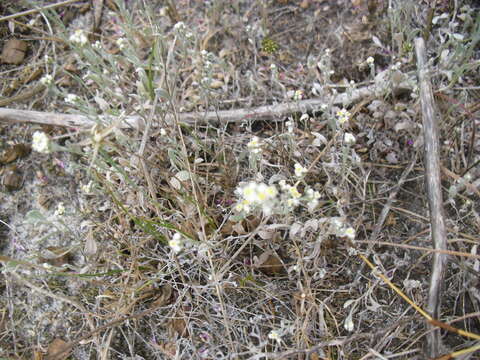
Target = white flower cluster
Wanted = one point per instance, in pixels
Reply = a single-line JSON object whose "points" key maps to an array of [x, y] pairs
{"points": [[256, 195], [176, 243], [46, 79], [349, 139], [293, 195], [181, 30], [79, 37], [300, 170], [275, 335], [71, 98], [121, 43], [340, 228], [298, 95], [255, 145], [312, 197], [41, 142], [60, 210], [343, 116], [271, 200]]}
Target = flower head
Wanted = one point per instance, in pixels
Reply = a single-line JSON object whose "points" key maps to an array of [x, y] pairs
{"points": [[350, 233], [60, 209], [300, 170], [121, 43], [71, 98], [256, 195], [343, 116], [47, 79], [298, 95], [255, 145], [176, 243], [370, 60], [349, 139], [79, 37], [275, 335], [40, 142]]}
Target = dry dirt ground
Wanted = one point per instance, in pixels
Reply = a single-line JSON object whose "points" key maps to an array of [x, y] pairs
{"points": [[83, 229]]}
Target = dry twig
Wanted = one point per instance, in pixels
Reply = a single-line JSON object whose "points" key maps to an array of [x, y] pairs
{"points": [[275, 112], [434, 192]]}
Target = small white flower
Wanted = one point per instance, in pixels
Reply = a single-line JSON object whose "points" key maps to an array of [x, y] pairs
{"points": [[71, 98], [294, 192], [121, 43], [163, 132], [304, 117], [298, 95], [349, 139], [275, 335], [293, 202], [343, 116], [312, 194], [337, 223], [60, 209], [79, 37], [255, 145], [300, 170], [176, 243], [47, 79], [348, 324], [87, 188], [352, 252], [256, 195], [273, 67], [97, 45], [179, 27], [289, 124], [370, 60], [350, 233], [40, 142], [411, 284]]}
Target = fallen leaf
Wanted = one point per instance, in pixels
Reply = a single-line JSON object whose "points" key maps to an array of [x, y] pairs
{"points": [[56, 256], [269, 263], [178, 326], [15, 152], [14, 51], [164, 298], [12, 178], [216, 84], [55, 347], [169, 349], [305, 4]]}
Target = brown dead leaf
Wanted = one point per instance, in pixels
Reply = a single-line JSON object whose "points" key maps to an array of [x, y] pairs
{"points": [[164, 298], [269, 263], [15, 152], [251, 223], [169, 349], [12, 178], [56, 256], [55, 347], [14, 51], [178, 326], [28, 75], [305, 4]]}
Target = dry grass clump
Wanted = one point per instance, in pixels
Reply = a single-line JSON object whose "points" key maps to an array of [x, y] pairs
{"points": [[246, 239]]}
